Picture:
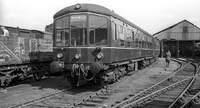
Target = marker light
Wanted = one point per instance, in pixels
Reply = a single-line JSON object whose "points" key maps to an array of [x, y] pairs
{"points": [[78, 6]]}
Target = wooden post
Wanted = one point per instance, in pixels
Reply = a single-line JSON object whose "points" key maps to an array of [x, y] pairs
{"points": [[178, 51], [162, 48], [193, 52]]}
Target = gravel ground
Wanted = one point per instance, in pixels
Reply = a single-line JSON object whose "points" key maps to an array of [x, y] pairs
{"points": [[141, 80], [31, 90], [128, 85]]}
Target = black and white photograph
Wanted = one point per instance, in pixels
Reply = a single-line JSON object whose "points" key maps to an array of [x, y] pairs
{"points": [[99, 54]]}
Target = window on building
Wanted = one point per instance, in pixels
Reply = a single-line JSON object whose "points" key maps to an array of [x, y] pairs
{"points": [[185, 29]]}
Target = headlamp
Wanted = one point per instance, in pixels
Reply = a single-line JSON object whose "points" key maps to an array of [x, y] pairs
{"points": [[61, 64], [59, 55], [77, 56]]}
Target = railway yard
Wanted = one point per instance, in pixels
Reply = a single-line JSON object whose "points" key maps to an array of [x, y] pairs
{"points": [[150, 87], [91, 57]]}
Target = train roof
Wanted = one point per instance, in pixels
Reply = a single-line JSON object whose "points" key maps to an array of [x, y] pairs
{"points": [[21, 29], [95, 9]]}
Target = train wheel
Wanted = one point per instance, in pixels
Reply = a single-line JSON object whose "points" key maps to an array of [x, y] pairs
{"points": [[6, 83], [35, 77], [40, 75], [24, 76], [75, 81]]}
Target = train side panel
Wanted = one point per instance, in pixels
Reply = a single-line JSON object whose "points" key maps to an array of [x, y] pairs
{"points": [[7, 55], [24, 46]]}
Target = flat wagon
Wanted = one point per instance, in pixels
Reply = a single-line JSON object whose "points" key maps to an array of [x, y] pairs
{"points": [[23, 52]]}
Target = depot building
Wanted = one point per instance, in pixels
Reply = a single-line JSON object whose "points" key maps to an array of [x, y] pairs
{"points": [[182, 39]]}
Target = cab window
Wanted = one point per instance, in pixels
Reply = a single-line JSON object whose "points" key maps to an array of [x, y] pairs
{"points": [[78, 30], [62, 31], [98, 30]]}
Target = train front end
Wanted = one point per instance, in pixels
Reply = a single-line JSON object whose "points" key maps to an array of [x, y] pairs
{"points": [[78, 40]]}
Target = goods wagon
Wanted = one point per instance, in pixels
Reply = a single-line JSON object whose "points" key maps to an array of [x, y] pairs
{"points": [[94, 44], [23, 52]]}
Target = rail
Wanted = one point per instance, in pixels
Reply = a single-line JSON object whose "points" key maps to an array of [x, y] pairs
{"points": [[149, 97], [154, 87], [181, 98], [194, 100], [38, 99]]}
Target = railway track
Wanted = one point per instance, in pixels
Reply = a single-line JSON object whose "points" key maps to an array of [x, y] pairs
{"points": [[166, 93], [189, 94], [177, 97], [84, 99], [30, 103], [66, 99], [193, 98], [73, 97], [69, 98]]}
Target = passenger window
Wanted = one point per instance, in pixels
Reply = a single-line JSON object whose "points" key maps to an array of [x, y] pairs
{"points": [[100, 36], [59, 24], [66, 40], [121, 29], [133, 35], [62, 37], [65, 22], [122, 43], [59, 36], [116, 32], [128, 44], [92, 36]]}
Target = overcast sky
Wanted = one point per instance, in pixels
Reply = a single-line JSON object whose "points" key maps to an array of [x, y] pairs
{"points": [[150, 15]]}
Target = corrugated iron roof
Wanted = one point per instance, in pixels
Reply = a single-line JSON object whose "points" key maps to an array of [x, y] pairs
{"points": [[174, 26]]}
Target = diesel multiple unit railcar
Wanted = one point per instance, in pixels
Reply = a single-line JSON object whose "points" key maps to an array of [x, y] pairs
{"points": [[92, 43], [23, 53]]}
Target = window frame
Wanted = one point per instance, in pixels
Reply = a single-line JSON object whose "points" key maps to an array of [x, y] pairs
{"points": [[107, 38], [84, 41], [61, 29], [87, 43]]}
